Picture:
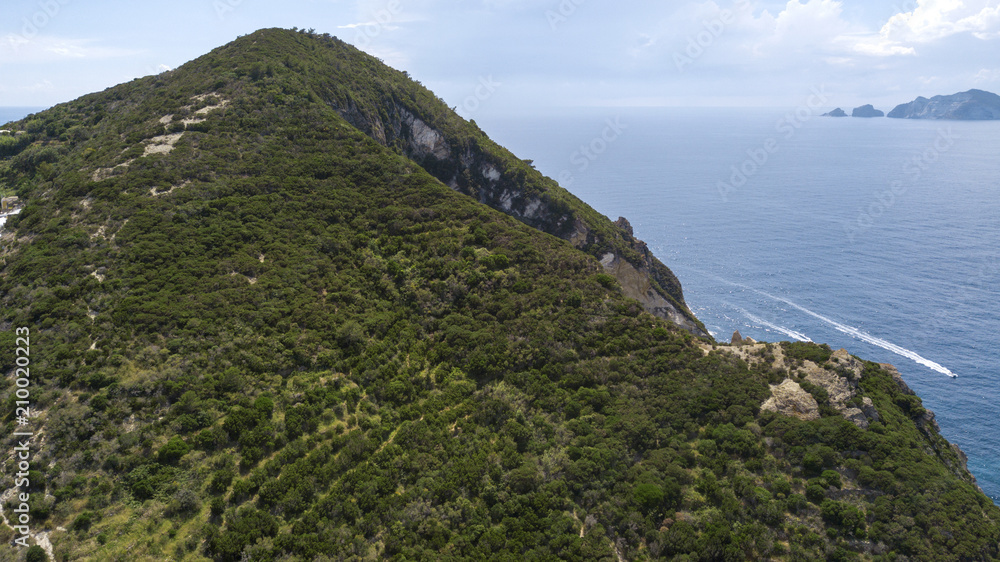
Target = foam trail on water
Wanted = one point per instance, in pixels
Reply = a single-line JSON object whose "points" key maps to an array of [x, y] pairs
{"points": [[780, 329], [849, 330]]}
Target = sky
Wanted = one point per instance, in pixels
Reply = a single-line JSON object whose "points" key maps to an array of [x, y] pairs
{"points": [[507, 55]]}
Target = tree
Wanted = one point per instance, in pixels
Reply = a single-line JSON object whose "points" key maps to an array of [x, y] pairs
{"points": [[36, 554]]}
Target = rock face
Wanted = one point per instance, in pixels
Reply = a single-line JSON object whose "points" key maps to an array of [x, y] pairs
{"points": [[790, 399], [461, 163], [737, 338], [974, 105], [838, 377], [835, 113], [867, 111], [894, 373]]}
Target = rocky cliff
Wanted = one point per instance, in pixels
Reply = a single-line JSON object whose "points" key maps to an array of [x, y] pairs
{"points": [[480, 169]]}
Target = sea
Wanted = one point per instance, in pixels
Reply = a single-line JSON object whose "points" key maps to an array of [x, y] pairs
{"points": [[881, 236], [8, 114]]}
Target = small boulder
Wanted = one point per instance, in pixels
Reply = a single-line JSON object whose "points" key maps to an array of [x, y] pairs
{"points": [[856, 416], [790, 399], [868, 407]]}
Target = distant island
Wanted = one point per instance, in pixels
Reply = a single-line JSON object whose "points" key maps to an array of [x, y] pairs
{"points": [[867, 111], [974, 105], [863, 111]]}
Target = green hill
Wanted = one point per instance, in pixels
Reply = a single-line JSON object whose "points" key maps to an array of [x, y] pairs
{"points": [[284, 305]]}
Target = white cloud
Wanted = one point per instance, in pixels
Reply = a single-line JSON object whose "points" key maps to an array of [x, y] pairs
{"points": [[987, 75], [15, 48], [936, 19], [818, 29], [877, 46]]}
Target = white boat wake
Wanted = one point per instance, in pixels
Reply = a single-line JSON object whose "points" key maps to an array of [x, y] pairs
{"points": [[868, 338], [780, 329], [849, 330]]}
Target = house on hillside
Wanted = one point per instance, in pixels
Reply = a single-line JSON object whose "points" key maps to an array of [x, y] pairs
{"points": [[9, 204]]}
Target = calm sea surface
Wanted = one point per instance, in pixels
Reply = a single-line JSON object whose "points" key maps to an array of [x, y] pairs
{"points": [[8, 114], [881, 236]]}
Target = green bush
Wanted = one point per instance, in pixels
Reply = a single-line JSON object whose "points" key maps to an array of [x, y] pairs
{"points": [[35, 553], [815, 493], [174, 449]]}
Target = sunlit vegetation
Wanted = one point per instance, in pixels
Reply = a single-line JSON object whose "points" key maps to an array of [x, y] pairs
{"points": [[311, 349]]}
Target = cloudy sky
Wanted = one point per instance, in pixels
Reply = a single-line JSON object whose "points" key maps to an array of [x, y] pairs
{"points": [[539, 53]]}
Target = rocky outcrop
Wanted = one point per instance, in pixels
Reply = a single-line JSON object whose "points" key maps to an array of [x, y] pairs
{"points": [[838, 378], [867, 111], [639, 285], [424, 140], [835, 113], [897, 378], [737, 338], [790, 399], [459, 162], [973, 105], [841, 359]]}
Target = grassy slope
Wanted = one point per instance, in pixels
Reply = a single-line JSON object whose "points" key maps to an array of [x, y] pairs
{"points": [[310, 347]]}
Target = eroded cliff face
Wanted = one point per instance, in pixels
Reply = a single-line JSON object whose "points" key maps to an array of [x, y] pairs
{"points": [[465, 167]]}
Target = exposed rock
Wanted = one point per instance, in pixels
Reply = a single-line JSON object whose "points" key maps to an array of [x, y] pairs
{"points": [[974, 105], [898, 378], [840, 389], [868, 407], [856, 416], [162, 144], [638, 285], [928, 419], [789, 399], [737, 338], [424, 139], [848, 364], [459, 162], [623, 224], [835, 113], [867, 111]]}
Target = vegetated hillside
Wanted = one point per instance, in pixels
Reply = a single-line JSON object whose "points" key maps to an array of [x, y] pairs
{"points": [[400, 113], [259, 333]]}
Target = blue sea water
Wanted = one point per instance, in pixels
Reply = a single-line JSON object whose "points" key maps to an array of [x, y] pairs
{"points": [[881, 236], [8, 114]]}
